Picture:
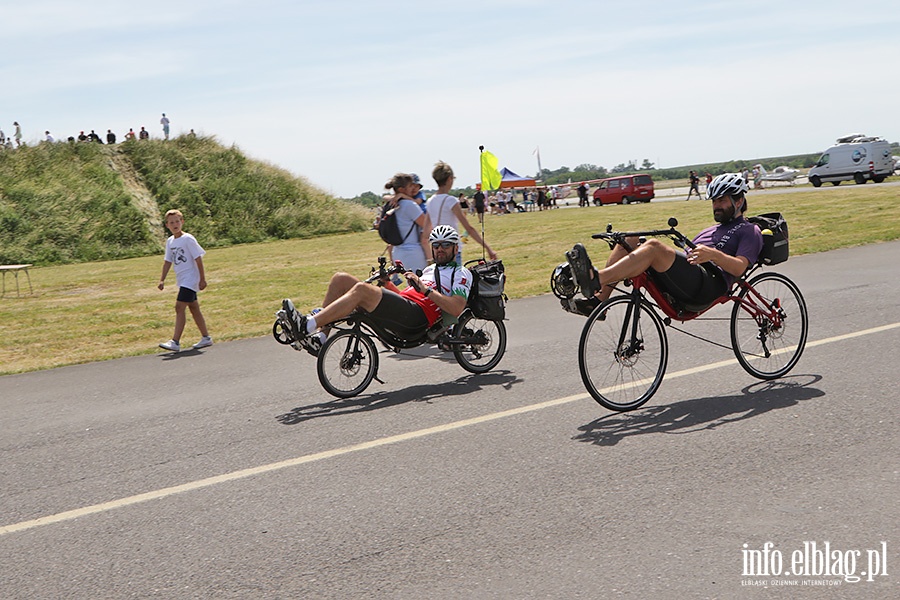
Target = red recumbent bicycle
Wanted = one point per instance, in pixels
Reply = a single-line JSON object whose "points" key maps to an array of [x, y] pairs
{"points": [[623, 351]]}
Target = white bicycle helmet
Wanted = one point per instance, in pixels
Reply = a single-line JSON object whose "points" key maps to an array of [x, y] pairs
{"points": [[731, 184], [444, 233]]}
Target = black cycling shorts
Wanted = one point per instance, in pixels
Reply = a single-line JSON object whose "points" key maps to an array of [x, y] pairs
{"points": [[186, 295], [695, 284], [400, 315]]}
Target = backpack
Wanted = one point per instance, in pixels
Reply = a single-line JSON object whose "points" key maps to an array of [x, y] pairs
{"points": [[388, 228], [486, 298], [775, 248]]}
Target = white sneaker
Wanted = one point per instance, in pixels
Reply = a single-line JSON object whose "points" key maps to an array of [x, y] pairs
{"points": [[171, 345], [205, 342]]}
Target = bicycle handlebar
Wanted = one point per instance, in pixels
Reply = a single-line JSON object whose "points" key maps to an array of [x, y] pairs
{"points": [[618, 237], [381, 273]]}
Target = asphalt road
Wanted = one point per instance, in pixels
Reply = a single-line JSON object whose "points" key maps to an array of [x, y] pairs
{"points": [[229, 472]]}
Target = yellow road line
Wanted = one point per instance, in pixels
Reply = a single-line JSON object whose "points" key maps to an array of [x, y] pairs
{"points": [[394, 439]]}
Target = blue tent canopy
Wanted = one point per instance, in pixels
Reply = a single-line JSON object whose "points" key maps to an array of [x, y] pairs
{"points": [[510, 179]]}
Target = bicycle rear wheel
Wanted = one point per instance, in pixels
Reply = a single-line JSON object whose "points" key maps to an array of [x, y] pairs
{"points": [[347, 364], [623, 353], [481, 343], [768, 332]]}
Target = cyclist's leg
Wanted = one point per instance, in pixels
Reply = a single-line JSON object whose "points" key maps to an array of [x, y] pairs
{"points": [[652, 254], [399, 315], [360, 295]]}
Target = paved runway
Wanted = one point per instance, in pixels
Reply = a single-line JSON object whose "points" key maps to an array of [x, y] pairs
{"points": [[230, 473]]}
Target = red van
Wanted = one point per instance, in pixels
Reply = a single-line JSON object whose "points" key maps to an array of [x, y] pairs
{"points": [[624, 190]]}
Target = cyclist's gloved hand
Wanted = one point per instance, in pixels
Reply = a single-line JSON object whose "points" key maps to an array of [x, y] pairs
{"points": [[412, 279]]}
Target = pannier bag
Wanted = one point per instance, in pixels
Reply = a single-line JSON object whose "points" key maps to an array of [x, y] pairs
{"points": [[486, 299], [775, 238]]}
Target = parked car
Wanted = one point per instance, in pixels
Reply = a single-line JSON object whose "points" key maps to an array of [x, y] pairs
{"points": [[624, 190], [855, 157]]}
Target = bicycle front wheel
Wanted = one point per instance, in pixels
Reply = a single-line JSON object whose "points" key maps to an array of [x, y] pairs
{"points": [[769, 324], [479, 344], [347, 364], [623, 353]]}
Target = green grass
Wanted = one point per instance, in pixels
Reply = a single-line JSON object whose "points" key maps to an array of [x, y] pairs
{"points": [[78, 202], [101, 310]]}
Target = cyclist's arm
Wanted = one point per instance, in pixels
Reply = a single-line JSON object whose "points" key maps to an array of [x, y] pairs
{"points": [[452, 305], [733, 265]]}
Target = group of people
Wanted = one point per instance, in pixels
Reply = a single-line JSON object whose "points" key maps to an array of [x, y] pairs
{"points": [[417, 216], [143, 134], [6, 142], [437, 282]]}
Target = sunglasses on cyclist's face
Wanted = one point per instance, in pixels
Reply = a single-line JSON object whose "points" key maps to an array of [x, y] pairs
{"points": [[444, 245]]}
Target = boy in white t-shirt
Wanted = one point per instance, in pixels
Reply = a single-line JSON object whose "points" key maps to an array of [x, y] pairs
{"points": [[183, 251]]}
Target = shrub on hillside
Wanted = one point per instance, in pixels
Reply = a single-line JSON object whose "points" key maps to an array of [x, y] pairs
{"points": [[229, 199]]}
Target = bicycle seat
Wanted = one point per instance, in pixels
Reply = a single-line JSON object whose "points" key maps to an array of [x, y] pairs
{"points": [[395, 335]]}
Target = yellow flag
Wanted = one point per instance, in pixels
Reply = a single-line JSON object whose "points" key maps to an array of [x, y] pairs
{"points": [[490, 176]]}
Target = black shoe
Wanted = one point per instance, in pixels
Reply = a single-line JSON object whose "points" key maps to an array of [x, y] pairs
{"points": [[582, 269], [312, 344], [296, 320], [585, 306]]}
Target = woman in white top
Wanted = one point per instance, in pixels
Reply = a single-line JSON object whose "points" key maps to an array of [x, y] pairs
{"points": [[444, 209]]}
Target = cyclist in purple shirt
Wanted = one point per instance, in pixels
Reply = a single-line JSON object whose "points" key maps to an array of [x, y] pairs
{"points": [[704, 273]]}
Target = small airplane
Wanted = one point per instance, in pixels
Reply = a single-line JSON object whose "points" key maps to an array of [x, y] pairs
{"points": [[780, 174]]}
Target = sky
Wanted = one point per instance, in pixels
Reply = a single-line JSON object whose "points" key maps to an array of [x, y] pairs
{"points": [[347, 93]]}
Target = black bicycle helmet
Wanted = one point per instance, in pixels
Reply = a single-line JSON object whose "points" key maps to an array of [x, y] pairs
{"points": [[730, 184]]}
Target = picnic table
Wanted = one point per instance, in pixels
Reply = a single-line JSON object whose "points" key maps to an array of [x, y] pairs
{"points": [[15, 270]]}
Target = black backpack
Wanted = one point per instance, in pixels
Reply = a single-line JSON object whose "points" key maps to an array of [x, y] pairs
{"points": [[388, 228]]}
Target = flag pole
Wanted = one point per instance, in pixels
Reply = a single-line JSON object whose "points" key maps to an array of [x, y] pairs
{"points": [[483, 240]]}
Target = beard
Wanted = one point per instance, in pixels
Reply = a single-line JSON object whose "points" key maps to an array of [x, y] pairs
{"points": [[723, 215]]}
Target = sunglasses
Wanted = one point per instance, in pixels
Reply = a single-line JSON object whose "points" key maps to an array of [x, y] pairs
{"points": [[445, 245]]}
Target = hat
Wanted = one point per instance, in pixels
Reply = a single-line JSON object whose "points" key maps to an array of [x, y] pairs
{"points": [[416, 179]]}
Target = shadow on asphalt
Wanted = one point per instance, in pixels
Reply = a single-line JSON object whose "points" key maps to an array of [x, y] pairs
{"points": [[182, 354], [466, 384], [701, 414]]}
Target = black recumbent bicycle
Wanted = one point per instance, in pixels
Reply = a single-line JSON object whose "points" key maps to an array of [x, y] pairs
{"points": [[623, 350], [348, 360]]}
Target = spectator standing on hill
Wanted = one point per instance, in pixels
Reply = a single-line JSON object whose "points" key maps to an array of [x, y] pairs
{"points": [[94, 137], [49, 138], [2, 137], [444, 209], [165, 124], [130, 134], [110, 137], [144, 134], [183, 251], [18, 134]]}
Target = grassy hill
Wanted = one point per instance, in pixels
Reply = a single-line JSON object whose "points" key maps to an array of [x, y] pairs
{"points": [[77, 202]]}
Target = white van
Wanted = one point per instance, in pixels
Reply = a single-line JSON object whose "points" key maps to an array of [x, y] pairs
{"points": [[855, 157]]}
